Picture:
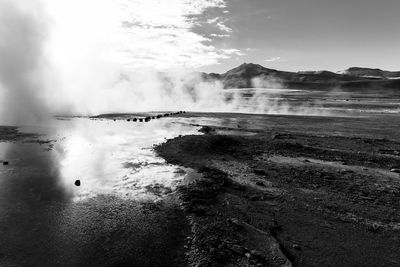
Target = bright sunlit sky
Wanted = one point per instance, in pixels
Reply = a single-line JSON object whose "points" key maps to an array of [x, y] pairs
{"points": [[216, 35]]}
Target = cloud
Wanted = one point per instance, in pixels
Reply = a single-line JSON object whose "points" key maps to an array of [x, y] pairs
{"points": [[250, 49], [213, 20], [274, 59], [220, 24], [219, 35], [137, 33], [224, 28]]}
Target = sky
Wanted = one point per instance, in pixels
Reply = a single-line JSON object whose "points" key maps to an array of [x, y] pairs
{"points": [[216, 35], [313, 34], [96, 56]]}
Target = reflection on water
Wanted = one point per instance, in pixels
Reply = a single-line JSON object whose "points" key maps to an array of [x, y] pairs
{"points": [[107, 157], [33, 175], [45, 220], [117, 158]]}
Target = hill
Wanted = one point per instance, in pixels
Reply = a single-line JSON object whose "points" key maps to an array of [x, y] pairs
{"points": [[244, 76]]}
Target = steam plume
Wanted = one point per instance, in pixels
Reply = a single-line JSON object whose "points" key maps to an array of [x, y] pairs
{"points": [[22, 35], [58, 45]]}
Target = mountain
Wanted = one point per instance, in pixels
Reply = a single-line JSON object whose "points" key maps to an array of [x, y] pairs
{"points": [[372, 73], [244, 76]]}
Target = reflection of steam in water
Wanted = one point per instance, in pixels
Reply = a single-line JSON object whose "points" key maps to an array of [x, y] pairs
{"points": [[33, 175], [117, 158], [109, 158]]}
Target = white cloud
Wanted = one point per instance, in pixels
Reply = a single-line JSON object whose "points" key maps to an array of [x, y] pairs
{"points": [[220, 24], [250, 49], [274, 59], [135, 33], [213, 20], [223, 27], [219, 35]]}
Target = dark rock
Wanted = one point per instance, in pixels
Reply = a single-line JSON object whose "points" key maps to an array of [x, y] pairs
{"points": [[259, 183], [238, 249], [77, 182], [344, 171], [278, 136], [295, 246], [374, 227], [5, 163], [255, 198], [206, 129], [259, 172], [235, 222]]}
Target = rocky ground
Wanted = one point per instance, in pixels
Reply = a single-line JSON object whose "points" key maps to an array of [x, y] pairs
{"points": [[284, 198]]}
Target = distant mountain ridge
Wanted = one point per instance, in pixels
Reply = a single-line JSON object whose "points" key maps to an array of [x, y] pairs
{"points": [[244, 75], [367, 72]]}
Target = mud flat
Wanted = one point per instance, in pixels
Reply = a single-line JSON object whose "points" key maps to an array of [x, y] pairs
{"points": [[291, 191]]}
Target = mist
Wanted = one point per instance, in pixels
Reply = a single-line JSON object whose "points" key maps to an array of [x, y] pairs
{"points": [[22, 66], [56, 61]]}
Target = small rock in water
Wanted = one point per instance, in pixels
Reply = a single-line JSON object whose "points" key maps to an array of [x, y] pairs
{"points": [[77, 182], [5, 162], [206, 129]]}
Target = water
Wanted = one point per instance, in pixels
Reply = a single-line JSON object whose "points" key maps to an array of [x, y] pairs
{"points": [[45, 220], [108, 157]]}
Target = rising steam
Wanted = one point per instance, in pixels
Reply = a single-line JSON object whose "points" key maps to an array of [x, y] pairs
{"points": [[57, 59], [22, 36]]}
